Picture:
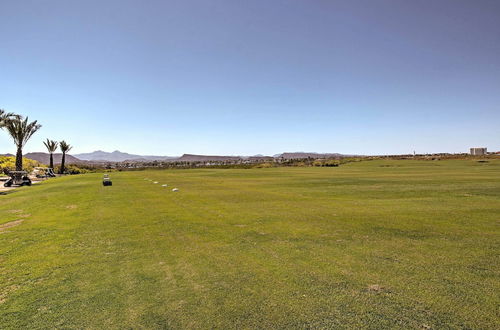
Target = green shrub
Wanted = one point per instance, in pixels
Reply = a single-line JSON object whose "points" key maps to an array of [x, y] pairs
{"points": [[73, 169], [326, 162], [8, 163], [264, 165]]}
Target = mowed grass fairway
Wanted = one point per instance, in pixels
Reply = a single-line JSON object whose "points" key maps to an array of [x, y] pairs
{"points": [[375, 244]]}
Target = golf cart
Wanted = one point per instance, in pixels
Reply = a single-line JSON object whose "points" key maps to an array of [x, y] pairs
{"points": [[18, 178], [106, 181], [44, 172]]}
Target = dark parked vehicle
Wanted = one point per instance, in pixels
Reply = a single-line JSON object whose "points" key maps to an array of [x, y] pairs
{"points": [[106, 181], [18, 178]]}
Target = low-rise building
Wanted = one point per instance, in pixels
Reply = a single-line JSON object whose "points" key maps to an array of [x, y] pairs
{"points": [[478, 151]]}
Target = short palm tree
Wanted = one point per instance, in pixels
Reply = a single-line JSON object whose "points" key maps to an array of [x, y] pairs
{"points": [[21, 131], [65, 147], [51, 146]]}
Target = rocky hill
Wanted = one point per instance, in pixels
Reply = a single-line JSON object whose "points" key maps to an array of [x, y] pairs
{"points": [[118, 156], [44, 157]]}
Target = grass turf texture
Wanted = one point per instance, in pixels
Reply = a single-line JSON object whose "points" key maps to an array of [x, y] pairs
{"points": [[376, 244]]}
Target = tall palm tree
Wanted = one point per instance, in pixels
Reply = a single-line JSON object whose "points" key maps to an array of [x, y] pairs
{"points": [[51, 146], [21, 131], [65, 147]]}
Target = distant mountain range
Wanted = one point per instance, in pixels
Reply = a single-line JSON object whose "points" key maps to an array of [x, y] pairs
{"points": [[118, 156], [203, 158], [300, 155], [44, 158]]}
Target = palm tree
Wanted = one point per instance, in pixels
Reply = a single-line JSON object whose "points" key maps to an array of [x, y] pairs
{"points": [[51, 146], [21, 131], [64, 148]]}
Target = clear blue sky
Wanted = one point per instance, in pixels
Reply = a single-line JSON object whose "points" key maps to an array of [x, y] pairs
{"points": [[261, 76]]}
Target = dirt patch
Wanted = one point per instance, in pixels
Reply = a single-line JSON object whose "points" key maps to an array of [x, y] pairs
{"points": [[71, 207], [11, 224], [375, 288], [240, 226], [15, 211], [4, 189], [6, 291]]}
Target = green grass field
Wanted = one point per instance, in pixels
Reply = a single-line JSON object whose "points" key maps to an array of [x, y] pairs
{"points": [[375, 244]]}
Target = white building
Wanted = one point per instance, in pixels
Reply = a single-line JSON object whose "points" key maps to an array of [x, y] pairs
{"points": [[478, 151]]}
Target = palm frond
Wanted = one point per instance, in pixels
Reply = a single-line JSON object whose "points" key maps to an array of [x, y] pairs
{"points": [[51, 145], [65, 147], [21, 130], [6, 116]]}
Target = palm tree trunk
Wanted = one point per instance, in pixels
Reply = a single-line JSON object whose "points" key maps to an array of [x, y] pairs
{"points": [[51, 161], [19, 159], [63, 160]]}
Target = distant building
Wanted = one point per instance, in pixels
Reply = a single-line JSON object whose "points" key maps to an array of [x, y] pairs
{"points": [[478, 151]]}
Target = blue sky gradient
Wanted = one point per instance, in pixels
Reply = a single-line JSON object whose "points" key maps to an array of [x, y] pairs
{"points": [[249, 77]]}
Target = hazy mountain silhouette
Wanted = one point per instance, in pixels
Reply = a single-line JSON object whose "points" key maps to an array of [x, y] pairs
{"points": [[118, 156]]}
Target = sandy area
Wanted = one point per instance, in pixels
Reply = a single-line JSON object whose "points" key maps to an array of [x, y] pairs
{"points": [[4, 189]]}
